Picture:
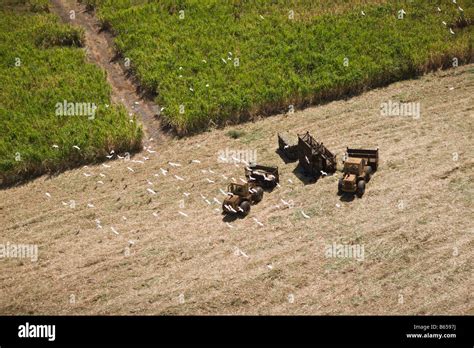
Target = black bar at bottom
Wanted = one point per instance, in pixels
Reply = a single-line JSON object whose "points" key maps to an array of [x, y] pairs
{"points": [[449, 331]]}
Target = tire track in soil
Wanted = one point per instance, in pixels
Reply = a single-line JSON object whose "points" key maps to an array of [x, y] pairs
{"points": [[100, 51]]}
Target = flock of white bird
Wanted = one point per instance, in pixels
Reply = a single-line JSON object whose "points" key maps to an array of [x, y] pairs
{"points": [[175, 166]]}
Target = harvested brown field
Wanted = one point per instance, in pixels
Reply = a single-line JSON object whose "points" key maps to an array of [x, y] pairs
{"points": [[128, 239]]}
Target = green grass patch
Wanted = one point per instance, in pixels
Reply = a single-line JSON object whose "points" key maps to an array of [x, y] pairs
{"points": [[42, 65], [212, 61]]}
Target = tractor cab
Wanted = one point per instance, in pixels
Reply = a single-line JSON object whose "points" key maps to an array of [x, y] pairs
{"points": [[241, 190], [354, 166]]}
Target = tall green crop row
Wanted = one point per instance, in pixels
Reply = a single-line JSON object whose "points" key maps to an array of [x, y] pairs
{"points": [[226, 61], [42, 65]]}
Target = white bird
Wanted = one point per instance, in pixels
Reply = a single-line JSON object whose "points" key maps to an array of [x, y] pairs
{"points": [[186, 194], [258, 222], [290, 181], [242, 180], [454, 1], [225, 177], [145, 158], [229, 225], [209, 180], [151, 191], [202, 196], [87, 174], [174, 164], [137, 161], [149, 182], [124, 218], [130, 169], [207, 201], [204, 61], [55, 146], [323, 173], [303, 213], [451, 31], [48, 195], [120, 157], [261, 17], [225, 62], [439, 10], [285, 202], [191, 89], [362, 13], [76, 147], [338, 205], [105, 165], [100, 182], [195, 161], [211, 171], [163, 171], [228, 207], [216, 200], [243, 254], [113, 230], [444, 23], [184, 214], [178, 178], [90, 205], [109, 156], [97, 221], [204, 171], [155, 214], [223, 192], [460, 9], [102, 175]]}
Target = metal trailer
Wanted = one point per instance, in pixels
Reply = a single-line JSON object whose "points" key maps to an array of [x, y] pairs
{"points": [[264, 176], [288, 146], [314, 157]]}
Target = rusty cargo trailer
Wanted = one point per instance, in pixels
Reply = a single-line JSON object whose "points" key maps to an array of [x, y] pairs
{"points": [[264, 176], [314, 157], [288, 146]]}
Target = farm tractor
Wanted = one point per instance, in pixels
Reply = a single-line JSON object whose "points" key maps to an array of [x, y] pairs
{"points": [[241, 197], [358, 169]]}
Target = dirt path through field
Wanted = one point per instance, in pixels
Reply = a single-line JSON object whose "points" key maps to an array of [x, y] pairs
{"points": [[99, 50]]}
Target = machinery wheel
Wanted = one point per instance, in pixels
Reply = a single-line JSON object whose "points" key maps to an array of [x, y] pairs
{"points": [[245, 206], [360, 188], [339, 187], [258, 194], [368, 174]]}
